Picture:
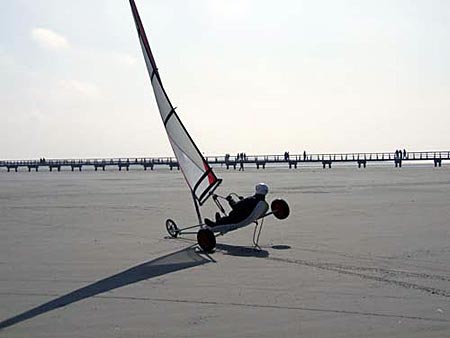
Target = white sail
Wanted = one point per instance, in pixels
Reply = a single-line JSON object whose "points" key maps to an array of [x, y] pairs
{"points": [[196, 170]]}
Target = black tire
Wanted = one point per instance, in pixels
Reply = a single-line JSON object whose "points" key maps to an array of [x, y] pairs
{"points": [[206, 240], [280, 208], [172, 228]]}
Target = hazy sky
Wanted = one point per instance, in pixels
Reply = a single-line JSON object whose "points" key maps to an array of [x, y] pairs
{"points": [[254, 76]]}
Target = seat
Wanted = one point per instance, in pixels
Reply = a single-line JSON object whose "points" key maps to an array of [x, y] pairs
{"points": [[259, 211]]}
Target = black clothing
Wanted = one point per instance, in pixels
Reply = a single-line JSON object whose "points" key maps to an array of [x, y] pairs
{"points": [[240, 210]]}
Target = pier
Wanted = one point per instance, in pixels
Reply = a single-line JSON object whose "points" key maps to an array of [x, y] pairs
{"points": [[361, 160]]}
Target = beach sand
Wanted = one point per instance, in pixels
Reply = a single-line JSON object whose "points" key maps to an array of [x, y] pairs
{"points": [[364, 253]]}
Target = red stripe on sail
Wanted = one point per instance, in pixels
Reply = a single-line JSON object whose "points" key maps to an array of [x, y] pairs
{"points": [[211, 176]]}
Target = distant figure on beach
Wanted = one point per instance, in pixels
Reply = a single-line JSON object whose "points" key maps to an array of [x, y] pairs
{"points": [[241, 209], [241, 156], [304, 154], [404, 153]]}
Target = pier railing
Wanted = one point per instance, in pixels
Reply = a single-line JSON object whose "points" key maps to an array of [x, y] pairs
{"points": [[234, 161]]}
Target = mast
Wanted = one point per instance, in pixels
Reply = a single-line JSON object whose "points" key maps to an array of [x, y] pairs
{"points": [[197, 172]]}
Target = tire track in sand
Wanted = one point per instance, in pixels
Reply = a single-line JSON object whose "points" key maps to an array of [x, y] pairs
{"points": [[359, 271]]}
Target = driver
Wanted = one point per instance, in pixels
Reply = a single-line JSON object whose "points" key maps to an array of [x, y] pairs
{"points": [[240, 209]]}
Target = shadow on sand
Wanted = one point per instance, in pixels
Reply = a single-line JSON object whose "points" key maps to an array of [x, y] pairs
{"points": [[281, 247], [183, 259], [241, 251]]}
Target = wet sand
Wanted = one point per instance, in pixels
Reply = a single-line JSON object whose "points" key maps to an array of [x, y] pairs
{"points": [[364, 253]]}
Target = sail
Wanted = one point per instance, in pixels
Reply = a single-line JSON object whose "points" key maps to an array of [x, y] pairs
{"points": [[199, 175]]}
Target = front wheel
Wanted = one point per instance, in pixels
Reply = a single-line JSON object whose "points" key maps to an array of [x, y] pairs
{"points": [[172, 228], [280, 208], [206, 240]]}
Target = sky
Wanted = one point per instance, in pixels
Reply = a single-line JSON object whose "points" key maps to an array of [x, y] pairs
{"points": [[253, 76]]}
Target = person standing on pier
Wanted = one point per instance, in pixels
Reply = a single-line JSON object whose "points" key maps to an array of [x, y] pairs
{"points": [[241, 165]]}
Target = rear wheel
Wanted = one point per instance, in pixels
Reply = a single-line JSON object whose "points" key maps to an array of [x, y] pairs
{"points": [[280, 208], [206, 240], [172, 228]]}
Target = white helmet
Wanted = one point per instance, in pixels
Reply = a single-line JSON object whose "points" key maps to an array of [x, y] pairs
{"points": [[261, 189]]}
